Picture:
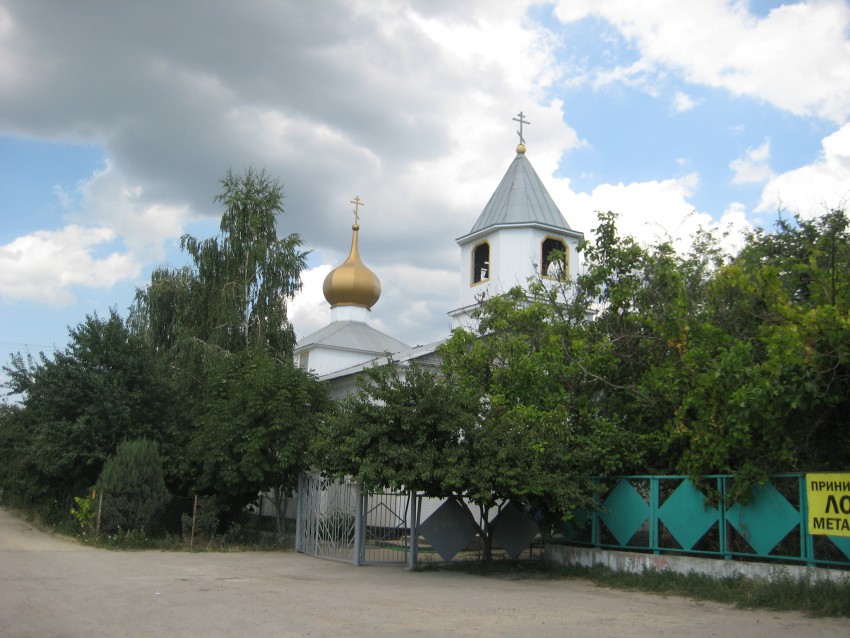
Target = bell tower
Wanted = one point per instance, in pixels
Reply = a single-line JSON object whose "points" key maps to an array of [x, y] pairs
{"points": [[520, 234]]}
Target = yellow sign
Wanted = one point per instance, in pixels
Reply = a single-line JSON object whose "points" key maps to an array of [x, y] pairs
{"points": [[829, 504]]}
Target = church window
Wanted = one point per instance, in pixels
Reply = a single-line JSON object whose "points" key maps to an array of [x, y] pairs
{"points": [[481, 263], [303, 360], [553, 259]]}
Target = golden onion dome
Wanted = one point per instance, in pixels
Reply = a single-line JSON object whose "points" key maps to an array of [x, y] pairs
{"points": [[520, 149], [352, 283]]}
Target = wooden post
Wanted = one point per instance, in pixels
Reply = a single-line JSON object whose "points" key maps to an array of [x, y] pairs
{"points": [[99, 508], [194, 516], [260, 520]]}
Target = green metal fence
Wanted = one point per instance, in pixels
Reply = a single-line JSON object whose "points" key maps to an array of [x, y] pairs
{"points": [[669, 514]]}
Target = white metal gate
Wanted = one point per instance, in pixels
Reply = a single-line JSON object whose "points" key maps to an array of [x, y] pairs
{"points": [[336, 521]]}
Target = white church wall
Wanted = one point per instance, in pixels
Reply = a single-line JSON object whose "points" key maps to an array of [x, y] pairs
{"points": [[323, 361]]}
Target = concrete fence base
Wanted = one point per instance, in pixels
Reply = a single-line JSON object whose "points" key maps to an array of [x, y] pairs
{"points": [[638, 563]]}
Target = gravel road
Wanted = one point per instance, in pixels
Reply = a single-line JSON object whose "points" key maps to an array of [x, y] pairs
{"points": [[50, 586]]}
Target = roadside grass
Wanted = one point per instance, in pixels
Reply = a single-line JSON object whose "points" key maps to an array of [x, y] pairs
{"points": [[814, 598]]}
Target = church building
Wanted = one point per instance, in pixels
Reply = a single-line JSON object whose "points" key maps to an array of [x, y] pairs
{"points": [[520, 234]]}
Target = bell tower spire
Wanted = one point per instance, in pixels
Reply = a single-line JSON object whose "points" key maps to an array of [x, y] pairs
{"points": [[520, 234]]}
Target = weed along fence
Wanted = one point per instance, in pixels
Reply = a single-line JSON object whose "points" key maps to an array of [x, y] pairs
{"points": [[191, 521], [793, 518]]}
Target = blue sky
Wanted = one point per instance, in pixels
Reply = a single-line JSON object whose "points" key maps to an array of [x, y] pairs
{"points": [[116, 125]]}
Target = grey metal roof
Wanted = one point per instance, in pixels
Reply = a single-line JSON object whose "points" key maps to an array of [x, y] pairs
{"points": [[425, 355], [520, 199], [352, 335]]}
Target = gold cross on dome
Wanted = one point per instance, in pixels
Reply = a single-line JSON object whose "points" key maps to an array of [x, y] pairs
{"points": [[521, 119], [357, 204]]}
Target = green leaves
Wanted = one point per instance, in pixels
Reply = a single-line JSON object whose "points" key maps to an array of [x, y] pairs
{"points": [[197, 369], [404, 427], [255, 425], [234, 295], [132, 486], [105, 387]]}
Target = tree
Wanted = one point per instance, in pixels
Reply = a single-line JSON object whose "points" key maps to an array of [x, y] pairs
{"points": [[222, 324], [402, 428], [626, 318], [766, 367], [540, 439], [132, 487], [496, 423], [234, 294], [719, 364], [77, 406], [14, 439], [255, 427]]}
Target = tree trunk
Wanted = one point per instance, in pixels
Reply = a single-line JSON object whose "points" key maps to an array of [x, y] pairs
{"points": [[486, 535], [279, 500]]}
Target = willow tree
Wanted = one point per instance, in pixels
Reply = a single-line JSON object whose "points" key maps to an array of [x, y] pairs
{"points": [[234, 294], [228, 306]]}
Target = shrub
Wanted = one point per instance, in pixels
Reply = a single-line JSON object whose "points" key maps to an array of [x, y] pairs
{"points": [[134, 491]]}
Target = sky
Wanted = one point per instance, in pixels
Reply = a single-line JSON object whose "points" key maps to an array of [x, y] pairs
{"points": [[118, 121]]}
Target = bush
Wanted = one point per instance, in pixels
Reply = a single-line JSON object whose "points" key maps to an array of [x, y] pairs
{"points": [[206, 520], [133, 486]]}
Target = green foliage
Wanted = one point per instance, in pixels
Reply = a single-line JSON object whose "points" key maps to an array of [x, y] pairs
{"points": [[105, 387], [719, 364], [133, 487], [84, 512], [403, 428], [206, 520], [234, 295], [255, 426], [764, 375], [15, 467], [540, 438], [497, 423], [221, 324]]}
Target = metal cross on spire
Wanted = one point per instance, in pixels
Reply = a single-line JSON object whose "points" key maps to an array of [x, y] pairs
{"points": [[521, 119], [357, 204]]}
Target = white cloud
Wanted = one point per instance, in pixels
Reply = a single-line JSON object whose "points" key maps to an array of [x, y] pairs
{"points": [[109, 199], [797, 57], [651, 211], [309, 310], [406, 104], [49, 266], [753, 167], [45, 265], [683, 102], [805, 190], [647, 210]]}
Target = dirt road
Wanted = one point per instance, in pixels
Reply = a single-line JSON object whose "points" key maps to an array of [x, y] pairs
{"points": [[53, 587]]}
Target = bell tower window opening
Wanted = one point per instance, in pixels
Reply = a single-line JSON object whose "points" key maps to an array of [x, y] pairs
{"points": [[481, 263], [553, 259]]}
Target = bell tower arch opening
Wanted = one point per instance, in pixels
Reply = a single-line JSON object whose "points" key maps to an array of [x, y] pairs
{"points": [[481, 263], [554, 259]]}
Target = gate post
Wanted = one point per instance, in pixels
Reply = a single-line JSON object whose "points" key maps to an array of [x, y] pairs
{"points": [[414, 530], [654, 497], [358, 526], [299, 516]]}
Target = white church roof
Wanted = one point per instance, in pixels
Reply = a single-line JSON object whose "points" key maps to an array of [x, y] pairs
{"points": [[352, 336], [520, 199], [425, 355]]}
